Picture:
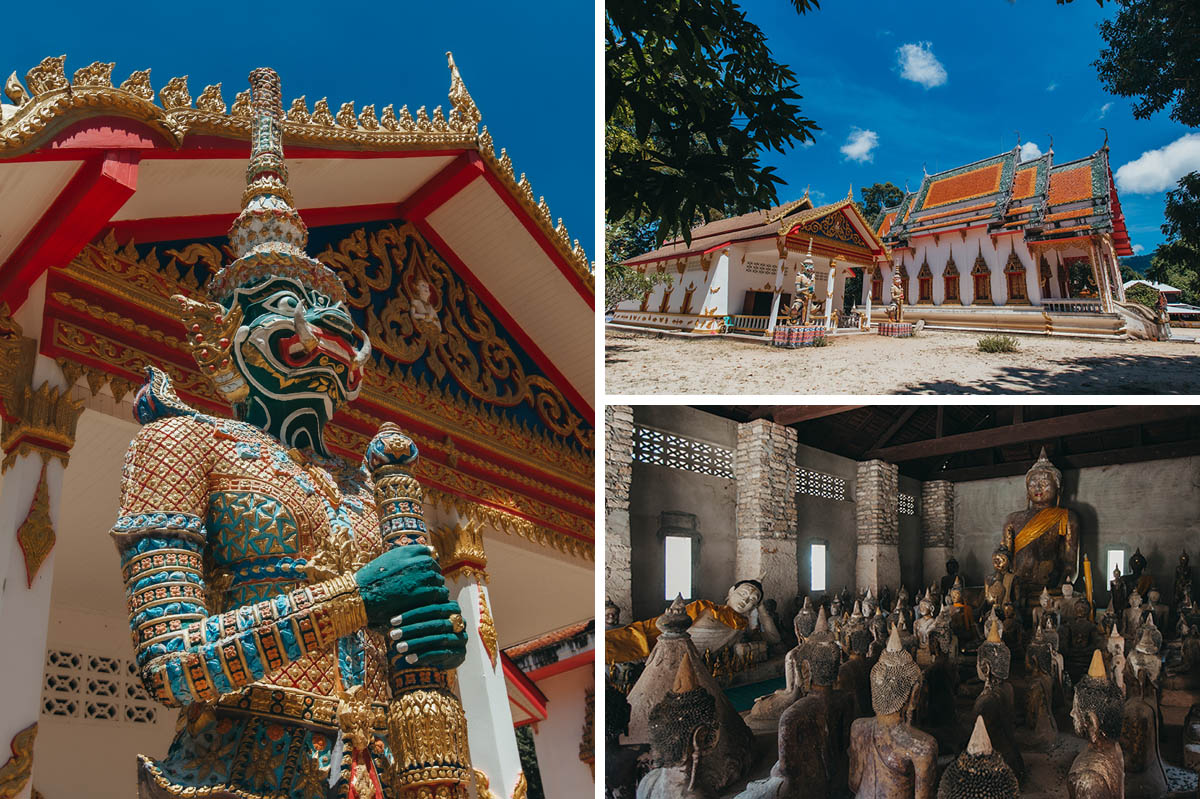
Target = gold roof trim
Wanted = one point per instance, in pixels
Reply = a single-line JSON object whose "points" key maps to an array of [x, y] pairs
{"points": [[825, 210], [51, 102]]}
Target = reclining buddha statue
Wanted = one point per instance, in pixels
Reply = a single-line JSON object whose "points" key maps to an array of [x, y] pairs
{"points": [[1043, 538], [285, 597]]}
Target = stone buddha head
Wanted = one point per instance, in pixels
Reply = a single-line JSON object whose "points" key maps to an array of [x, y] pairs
{"points": [[1098, 707], [1045, 599], [925, 606], [1135, 600], [1137, 563], [278, 343], [745, 596], [612, 614], [835, 607], [994, 659], [1043, 482], [1115, 643], [893, 677], [1153, 596]]}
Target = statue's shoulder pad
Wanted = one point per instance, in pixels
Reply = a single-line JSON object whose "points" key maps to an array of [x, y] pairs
{"points": [[174, 430]]}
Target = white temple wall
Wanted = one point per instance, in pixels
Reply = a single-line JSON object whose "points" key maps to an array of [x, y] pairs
{"points": [[825, 519], [557, 738], [1154, 505]]}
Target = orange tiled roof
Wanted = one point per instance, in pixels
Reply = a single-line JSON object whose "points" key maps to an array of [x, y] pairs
{"points": [[1069, 215], [966, 186], [966, 210], [1071, 185], [887, 224], [1024, 182], [549, 639], [951, 222], [1024, 209], [1068, 229]]}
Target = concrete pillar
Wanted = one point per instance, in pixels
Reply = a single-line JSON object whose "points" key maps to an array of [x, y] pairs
{"points": [[877, 519], [39, 420], [780, 269], [765, 467], [618, 472], [937, 528], [481, 684]]}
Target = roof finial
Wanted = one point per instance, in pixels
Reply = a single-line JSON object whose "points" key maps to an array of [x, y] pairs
{"points": [[1051, 150], [460, 98], [850, 194], [1104, 147], [1018, 138], [925, 164], [806, 189]]}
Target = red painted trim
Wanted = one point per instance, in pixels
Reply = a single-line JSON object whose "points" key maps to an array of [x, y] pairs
{"points": [[204, 226], [543, 240], [452, 179], [97, 191], [510, 324], [525, 686], [574, 662]]}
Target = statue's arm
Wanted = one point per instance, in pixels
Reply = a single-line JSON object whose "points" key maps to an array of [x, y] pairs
{"points": [[184, 652], [859, 732], [924, 769]]}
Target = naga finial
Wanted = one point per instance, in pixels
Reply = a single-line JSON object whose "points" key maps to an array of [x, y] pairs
{"points": [[460, 98]]}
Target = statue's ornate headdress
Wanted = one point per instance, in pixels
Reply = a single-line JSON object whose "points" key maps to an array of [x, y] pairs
{"points": [[1043, 464], [893, 677], [268, 236]]}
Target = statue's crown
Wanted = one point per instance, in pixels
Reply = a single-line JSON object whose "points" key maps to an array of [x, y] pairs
{"points": [[268, 236], [1043, 464]]}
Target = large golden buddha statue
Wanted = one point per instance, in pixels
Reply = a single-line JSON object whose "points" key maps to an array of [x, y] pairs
{"points": [[1043, 538]]}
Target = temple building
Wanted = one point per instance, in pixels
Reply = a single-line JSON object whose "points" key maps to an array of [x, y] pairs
{"points": [[807, 566], [738, 273], [118, 198], [1005, 244]]}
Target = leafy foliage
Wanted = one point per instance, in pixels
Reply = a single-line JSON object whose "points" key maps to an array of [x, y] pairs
{"points": [[529, 763], [692, 97], [1182, 274], [877, 197], [998, 344], [1141, 293], [624, 238], [622, 284]]}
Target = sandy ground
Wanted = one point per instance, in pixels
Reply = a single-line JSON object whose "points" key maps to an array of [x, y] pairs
{"points": [[933, 362]]}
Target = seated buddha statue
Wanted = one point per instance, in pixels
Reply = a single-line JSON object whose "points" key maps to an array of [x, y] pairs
{"points": [[889, 758], [1136, 580], [995, 702], [1118, 595], [1145, 777], [1000, 586], [962, 616], [714, 626], [767, 709], [683, 730], [1040, 725], [1043, 538], [1098, 772]]}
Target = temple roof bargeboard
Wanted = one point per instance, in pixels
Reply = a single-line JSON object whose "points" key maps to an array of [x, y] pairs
{"points": [[1042, 200]]}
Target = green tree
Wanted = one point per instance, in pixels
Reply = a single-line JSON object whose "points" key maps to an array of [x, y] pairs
{"points": [[693, 96], [877, 197], [622, 284]]}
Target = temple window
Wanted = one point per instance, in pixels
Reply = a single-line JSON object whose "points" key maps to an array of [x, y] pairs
{"points": [[925, 283], [876, 286], [817, 567], [1114, 558], [981, 278], [677, 554], [950, 277], [1014, 274]]}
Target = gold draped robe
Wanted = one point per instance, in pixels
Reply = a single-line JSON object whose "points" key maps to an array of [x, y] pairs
{"points": [[634, 641]]}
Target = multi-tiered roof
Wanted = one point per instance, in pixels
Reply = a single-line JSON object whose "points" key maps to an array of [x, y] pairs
{"points": [[1039, 199]]}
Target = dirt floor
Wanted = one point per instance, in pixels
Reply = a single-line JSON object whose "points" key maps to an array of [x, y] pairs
{"points": [[933, 362]]}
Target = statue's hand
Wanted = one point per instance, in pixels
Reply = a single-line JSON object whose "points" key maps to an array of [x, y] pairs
{"points": [[431, 636], [398, 581]]}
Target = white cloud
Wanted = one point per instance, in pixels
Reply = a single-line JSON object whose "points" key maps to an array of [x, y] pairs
{"points": [[860, 145], [1104, 110], [920, 65], [1158, 170], [807, 144], [1138, 248], [1052, 87], [1030, 151]]}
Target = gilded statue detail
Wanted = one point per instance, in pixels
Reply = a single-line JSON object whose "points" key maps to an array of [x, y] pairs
{"points": [[1043, 538]]}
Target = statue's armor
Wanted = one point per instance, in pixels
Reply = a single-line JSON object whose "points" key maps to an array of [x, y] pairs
{"points": [[218, 518]]}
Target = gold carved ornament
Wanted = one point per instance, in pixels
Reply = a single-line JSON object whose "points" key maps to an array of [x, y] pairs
{"points": [[521, 790], [398, 256], [15, 772], [51, 103], [461, 549], [36, 533]]}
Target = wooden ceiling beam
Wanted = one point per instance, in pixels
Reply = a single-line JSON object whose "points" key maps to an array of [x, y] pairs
{"points": [[1152, 452], [792, 414], [895, 428], [1039, 430]]}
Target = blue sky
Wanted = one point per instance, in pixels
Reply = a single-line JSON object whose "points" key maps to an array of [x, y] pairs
{"points": [[973, 73], [529, 67]]}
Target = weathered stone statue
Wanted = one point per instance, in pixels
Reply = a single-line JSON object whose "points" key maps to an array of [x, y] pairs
{"points": [[903, 607], [1156, 607], [962, 616], [1115, 661], [612, 615], [1039, 695], [767, 709], [950, 576], [1183, 580], [1145, 776], [923, 628], [1079, 637], [1045, 608], [1011, 631], [1065, 605], [1000, 587], [814, 737], [731, 755], [620, 762], [263, 575], [878, 627], [1188, 668], [683, 732], [979, 772], [1135, 580], [1118, 595], [889, 758], [854, 676], [805, 621], [1133, 618], [1044, 538], [995, 702], [1098, 772]]}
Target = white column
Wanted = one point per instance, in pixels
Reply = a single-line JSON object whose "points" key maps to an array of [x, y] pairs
{"points": [[779, 268], [720, 288], [481, 684]]}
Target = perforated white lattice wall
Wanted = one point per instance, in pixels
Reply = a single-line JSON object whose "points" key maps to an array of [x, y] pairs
{"points": [[908, 504], [95, 687], [651, 445], [819, 484]]}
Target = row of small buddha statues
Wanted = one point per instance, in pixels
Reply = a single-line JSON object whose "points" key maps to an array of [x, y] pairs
{"points": [[869, 702]]}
